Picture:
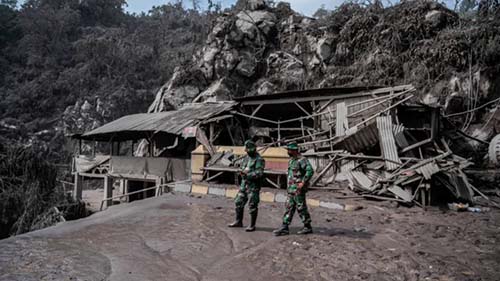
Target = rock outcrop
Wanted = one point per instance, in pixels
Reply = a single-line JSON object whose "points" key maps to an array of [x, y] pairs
{"points": [[262, 49]]}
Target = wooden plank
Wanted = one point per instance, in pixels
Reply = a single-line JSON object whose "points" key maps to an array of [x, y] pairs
{"points": [[214, 176]]}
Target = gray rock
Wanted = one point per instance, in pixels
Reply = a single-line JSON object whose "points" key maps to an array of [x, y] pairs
{"points": [[248, 21], [285, 65], [217, 91], [257, 5], [435, 18], [247, 65], [246, 27], [266, 88], [323, 49]]}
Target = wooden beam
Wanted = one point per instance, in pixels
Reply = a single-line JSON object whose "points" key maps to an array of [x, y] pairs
{"points": [[301, 108], [257, 110], [214, 176]]}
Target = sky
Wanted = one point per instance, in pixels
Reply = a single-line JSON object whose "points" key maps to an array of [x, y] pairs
{"points": [[306, 7]]}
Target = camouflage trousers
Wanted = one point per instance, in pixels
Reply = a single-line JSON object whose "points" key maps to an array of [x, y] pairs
{"points": [[296, 202], [251, 196]]}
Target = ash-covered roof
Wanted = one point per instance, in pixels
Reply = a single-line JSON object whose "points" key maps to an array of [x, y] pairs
{"points": [[143, 125], [318, 94]]}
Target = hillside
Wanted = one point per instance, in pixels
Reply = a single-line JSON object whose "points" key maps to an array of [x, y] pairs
{"points": [[70, 66], [67, 66], [453, 61]]}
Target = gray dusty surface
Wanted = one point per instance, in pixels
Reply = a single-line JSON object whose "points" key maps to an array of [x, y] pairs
{"points": [[179, 237]]}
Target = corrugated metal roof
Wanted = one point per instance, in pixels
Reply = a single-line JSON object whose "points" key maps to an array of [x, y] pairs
{"points": [[320, 94], [173, 122], [428, 170], [360, 139]]}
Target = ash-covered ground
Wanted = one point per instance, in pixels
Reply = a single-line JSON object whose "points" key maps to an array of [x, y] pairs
{"points": [[181, 237]]}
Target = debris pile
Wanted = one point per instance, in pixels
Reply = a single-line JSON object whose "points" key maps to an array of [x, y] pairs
{"points": [[396, 151]]}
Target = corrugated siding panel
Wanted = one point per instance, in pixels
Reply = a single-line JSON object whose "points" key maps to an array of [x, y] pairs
{"points": [[332, 108], [362, 139], [341, 120], [428, 170], [387, 142]]}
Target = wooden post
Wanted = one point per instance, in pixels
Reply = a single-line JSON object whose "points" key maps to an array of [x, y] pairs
{"points": [[123, 186], [279, 133], [78, 187], [144, 186], [159, 182], [108, 190]]}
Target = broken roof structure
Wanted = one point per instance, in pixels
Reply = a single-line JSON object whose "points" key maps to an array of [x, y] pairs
{"points": [[379, 139], [144, 125]]}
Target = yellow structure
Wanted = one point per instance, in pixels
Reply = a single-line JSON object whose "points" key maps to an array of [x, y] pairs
{"points": [[276, 158], [199, 189]]}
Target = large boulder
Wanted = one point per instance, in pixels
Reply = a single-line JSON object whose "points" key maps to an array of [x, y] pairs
{"points": [[285, 66], [183, 87], [435, 18], [324, 49], [247, 65], [257, 5], [249, 22], [217, 91]]}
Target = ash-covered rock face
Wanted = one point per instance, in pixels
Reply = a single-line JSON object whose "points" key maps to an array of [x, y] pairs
{"points": [[260, 49]]}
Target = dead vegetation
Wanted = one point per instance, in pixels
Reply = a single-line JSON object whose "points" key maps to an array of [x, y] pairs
{"points": [[30, 196]]}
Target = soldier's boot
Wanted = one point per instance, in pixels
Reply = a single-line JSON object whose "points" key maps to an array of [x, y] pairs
{"points": [[306, 230], [239, 219], [253, 220], [283, 230]]}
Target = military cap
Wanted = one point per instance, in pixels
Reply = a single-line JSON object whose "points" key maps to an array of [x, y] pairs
{"points": [[292, 146], [249, 144]]}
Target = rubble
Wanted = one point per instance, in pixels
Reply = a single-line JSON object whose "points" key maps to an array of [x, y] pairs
{"points": [[400, 172]]}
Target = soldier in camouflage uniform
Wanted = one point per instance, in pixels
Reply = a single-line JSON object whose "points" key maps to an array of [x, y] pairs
{"points": [[252, 174], [300, 173]]}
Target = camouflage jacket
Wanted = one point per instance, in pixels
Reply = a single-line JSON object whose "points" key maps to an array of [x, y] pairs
{"points": [[299, 170], [254, 169]]}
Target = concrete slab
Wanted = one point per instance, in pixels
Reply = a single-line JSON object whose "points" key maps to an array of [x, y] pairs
{"points": [[267, 197], [199, 189], [331, 205], [184, 187], [217, 191]]}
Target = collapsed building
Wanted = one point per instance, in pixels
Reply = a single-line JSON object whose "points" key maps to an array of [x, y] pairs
{"points": [[380, 140]]}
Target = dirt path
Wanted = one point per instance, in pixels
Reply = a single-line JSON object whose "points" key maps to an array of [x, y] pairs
{"points": [[178, 237]]}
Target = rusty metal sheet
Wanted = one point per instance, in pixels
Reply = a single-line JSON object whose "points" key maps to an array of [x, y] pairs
{"points": [[387, 142], [172, 122]]}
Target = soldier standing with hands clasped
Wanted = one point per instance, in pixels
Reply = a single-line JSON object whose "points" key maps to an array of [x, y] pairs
{"points": [[300, 173], [252, 174]]}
